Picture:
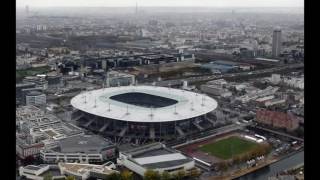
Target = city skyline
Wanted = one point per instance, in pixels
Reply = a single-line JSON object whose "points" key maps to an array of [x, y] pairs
{"points": [[164, 3]]}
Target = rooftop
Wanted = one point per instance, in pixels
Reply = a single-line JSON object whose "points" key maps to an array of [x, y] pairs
{"points": [[83, 143], [156, 155], [34, 93], [100, 103], [84, 168]]}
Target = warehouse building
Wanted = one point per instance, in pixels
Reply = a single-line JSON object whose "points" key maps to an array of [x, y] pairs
{"points": [[155, 156]]}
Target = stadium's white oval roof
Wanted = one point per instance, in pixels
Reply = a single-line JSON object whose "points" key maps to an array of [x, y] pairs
{"points": [[189, 105]]}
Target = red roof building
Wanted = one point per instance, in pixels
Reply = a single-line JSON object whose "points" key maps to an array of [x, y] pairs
{"points": [[278, 119]]}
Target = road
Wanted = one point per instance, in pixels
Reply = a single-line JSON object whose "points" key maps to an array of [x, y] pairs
{"points": [[271, 170], [212, 77], [280, 133]]}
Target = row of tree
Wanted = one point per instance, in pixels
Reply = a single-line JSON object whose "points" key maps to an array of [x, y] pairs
{"points": [[50, 177], [155, 175], [194, 173], [148, 175], [260, 150]]}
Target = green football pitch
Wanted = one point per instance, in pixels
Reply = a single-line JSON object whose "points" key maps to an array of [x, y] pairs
{"points": [[226, 148]]}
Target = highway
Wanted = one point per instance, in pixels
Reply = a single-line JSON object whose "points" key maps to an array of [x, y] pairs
{"points": [[213, 77]]}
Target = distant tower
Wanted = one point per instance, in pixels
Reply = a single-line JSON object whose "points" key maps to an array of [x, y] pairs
{"points": [[27, 10], [136, 7], [276, 42]]}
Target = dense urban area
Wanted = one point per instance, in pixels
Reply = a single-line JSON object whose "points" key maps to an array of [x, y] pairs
{"points": [[159, 93]]}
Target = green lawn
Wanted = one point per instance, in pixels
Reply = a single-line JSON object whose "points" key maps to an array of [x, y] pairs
{"points": [[226, 148], [20, 74]]}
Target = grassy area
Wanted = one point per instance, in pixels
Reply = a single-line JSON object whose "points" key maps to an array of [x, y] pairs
{"points": [[20, 74], [226, 148]]}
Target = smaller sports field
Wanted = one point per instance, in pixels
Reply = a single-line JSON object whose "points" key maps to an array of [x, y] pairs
{"points": [[228, 147]]}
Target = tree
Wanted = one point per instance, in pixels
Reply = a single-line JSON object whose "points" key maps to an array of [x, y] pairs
{"points": [[126, 175], [255, 152], [70, 178], [194, 173], [179, 175], [237, 159], [48, 176], [165, 176], [151, 175], [113, 176], [223, 166]]}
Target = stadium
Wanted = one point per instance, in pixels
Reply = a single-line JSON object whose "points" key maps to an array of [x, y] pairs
{"points": [[142, 113]]}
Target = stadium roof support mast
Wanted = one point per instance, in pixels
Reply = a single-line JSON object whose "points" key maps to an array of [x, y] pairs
{"points": [[151, 113], [109, 107], [127, 113], [203, 100]]}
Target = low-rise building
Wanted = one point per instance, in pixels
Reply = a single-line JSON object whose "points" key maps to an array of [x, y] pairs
{"points": [[115, 78], [62, 170], [25, 149], [80, 148], [272, 102], [40, 81], [38, 172], [35, 98], [215, 90], [155, 156], [36, 129], [277, 119], [86, 171]]}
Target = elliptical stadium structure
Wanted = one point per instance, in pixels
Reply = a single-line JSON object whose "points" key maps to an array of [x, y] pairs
{"points": [[139, 114]]}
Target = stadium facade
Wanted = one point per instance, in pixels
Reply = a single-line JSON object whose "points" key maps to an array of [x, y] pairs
{"points": [[141, 113]]}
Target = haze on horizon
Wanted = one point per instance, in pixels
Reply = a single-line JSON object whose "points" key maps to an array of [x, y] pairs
{"points": [[160, 3]]}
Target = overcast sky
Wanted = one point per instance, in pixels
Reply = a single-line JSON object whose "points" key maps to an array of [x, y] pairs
{"points": [[119, 3]]}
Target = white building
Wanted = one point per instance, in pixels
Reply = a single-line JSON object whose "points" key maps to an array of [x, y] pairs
{"points": [[156, 157], [294, 82], [38, 172], [275, 78], [86, 171], [215, 90], [36, 130], [40, 81], [274, 102], [80, 148], [35, 98], [60, 171], [115, 78]]}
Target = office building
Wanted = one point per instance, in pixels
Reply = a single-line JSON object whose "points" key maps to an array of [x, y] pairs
{"points": [[40, 81], [36, 129], [215, 90], [278, 119], [275, 78], [115, 79], [276, 43], [20, 96], [35, 98], [80, 148]]}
